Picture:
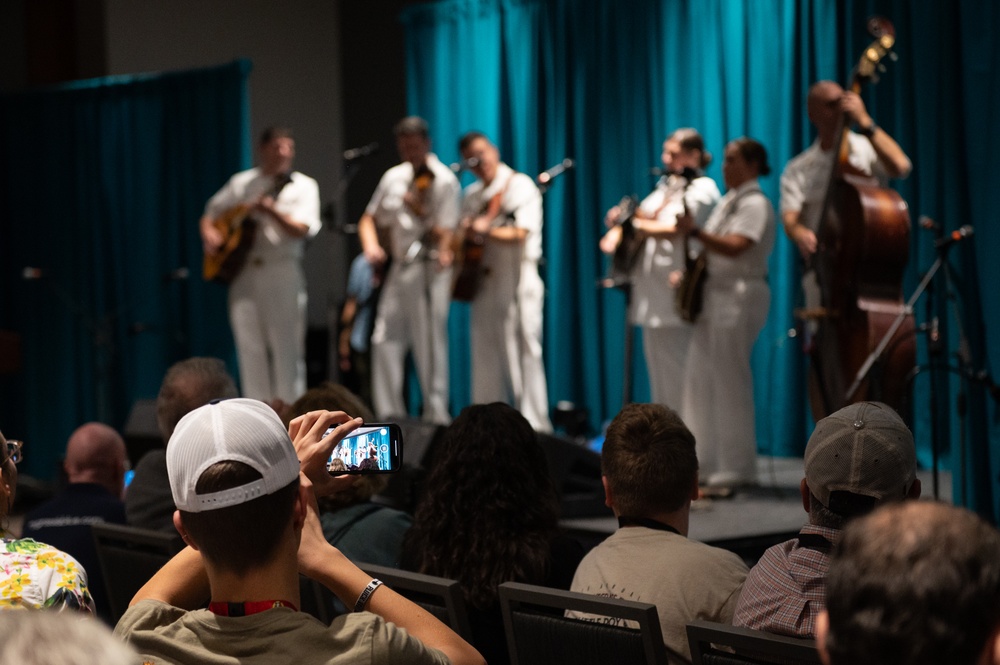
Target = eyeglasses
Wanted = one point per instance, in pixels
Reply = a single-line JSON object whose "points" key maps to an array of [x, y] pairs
{"points": [[15, 450]]}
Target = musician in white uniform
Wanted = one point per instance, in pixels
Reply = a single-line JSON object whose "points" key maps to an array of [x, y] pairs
{"points": [[267, 299], [416, 202], [804, 182], [506, 313], [660, 260], [718, 404]]}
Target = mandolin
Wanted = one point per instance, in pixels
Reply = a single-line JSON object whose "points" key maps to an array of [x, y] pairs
{"points": [[690, 294], [630, 244], [238, 230]]}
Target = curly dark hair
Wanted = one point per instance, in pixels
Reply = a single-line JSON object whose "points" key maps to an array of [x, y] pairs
{"points": [[490, 510]]}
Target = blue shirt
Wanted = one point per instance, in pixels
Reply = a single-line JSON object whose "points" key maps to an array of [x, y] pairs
{"points": [[361, 287]]}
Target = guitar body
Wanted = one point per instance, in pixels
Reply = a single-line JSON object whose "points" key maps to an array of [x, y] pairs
{"points": [[469, 254], [469, 259], [238, 230]]}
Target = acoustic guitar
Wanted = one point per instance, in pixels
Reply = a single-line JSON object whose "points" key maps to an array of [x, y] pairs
{"points": [[469, 254], [238, 230]]}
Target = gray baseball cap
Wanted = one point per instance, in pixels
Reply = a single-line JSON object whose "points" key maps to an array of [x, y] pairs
{"points": [[865, 449]]}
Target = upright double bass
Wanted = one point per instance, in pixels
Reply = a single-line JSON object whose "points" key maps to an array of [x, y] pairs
{"points": [[862, 250]]}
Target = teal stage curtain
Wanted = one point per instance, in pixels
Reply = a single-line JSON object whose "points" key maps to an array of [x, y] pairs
{"points": [[604, 81], [101, 186]]}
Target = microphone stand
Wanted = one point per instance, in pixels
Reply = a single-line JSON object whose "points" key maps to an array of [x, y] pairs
{"points": [[623, 284], [963, 368]]}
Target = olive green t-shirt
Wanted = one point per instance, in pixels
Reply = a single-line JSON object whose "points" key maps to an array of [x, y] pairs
{"points": [[165, 634]]}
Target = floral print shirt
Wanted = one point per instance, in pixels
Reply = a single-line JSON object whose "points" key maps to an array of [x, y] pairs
{"points": [[34, 575]]}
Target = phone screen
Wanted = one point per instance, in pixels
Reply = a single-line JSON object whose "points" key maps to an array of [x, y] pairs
{"points": [[374, 448]]}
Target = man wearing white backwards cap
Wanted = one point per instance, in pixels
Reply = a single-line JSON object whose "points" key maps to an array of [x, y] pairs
{"points": [[247, 510], [857, 458]]}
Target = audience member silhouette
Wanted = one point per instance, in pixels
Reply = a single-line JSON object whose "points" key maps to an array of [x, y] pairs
{"points": [[489, 515], [366, 532], [857, 458], [914, 583], [246, 507], [650, 472], [95, 468], [187, 385], [34, 575]]}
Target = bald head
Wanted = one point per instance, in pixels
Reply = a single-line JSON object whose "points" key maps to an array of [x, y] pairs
{"points": [[823, 104], [96, 454]]}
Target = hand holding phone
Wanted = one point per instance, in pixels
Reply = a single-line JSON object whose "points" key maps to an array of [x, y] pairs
{"points": [[372, 448], [314, 435]]}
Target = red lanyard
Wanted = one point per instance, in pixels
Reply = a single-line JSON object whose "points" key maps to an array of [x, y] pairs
{"points": [[246, 609]]}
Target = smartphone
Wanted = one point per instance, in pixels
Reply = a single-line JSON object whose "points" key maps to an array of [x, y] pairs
{"points": [[372, 448]]}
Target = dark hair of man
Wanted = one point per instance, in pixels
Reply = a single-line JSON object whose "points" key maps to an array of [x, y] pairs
{"points": [[649, 460], [915, 582], [468, 138], [412, 126], [489, 511], [689, 139], [753, 152], [243, 537], [330, 396], [275, 132], [187, 385]]}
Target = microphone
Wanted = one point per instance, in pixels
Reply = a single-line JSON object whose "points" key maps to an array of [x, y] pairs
{"points": [[29, 273], [355, 154], [688, 173], [955, 236], [546, 177], [465, 164], [177, 274], [928, 224]]}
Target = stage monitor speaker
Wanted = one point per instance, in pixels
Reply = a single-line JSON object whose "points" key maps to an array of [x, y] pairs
{"points": [[576, 472], [141, 431], [419, 439]]}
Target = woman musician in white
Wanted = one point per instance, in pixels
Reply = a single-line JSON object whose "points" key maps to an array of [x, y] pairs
{"points": [[659, 259]]}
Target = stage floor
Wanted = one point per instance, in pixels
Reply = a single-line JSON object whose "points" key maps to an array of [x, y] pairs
{"points": [[753, 519]]}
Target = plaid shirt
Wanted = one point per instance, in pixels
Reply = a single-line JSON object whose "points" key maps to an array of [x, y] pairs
{"points": [[785, 592]]}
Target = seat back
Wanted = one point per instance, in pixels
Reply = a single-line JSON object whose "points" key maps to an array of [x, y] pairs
{"points": [[440, 596], [129, 557], [538, 632], [721, 644]]}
